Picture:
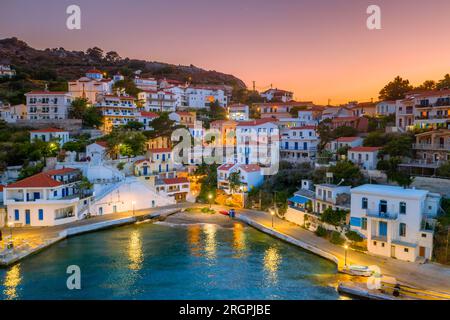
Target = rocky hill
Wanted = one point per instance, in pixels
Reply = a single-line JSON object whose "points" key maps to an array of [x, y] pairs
{"points": [[58, 65]]}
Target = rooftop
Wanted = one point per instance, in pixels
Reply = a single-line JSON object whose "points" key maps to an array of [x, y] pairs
{"points": [[48, 130], [364, 149], [41, 180], [391, 191]]}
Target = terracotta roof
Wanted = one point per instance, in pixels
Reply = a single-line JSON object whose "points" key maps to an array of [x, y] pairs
{"points": [[94, 71], [47, 92], [250, 167], [185, 113], [60, 171], [434, 93], [49, 130], [101, 143], [303, 128], [226, 166], [347, 139], [175, 180], [160, 150], [141, 161], [364, 149], [119, 97], [256, 122], [147, 114], [339, 119]]}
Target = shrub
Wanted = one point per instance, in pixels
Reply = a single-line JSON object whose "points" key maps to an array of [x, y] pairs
{"points": [[353, 236], [321, 231], [336, 238], [121, 165]]}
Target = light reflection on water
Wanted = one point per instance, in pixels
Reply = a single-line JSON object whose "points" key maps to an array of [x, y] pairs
{"points": [[12, 281], [161, 262]]}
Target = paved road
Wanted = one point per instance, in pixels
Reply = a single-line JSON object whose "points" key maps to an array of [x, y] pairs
{"points": [[429, 276]]}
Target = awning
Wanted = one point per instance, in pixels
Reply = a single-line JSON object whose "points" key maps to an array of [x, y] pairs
{"points": [[299, 199]]}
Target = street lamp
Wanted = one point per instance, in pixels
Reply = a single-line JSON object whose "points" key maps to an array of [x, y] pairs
{"points": [[345, 259], [272, 213], [210, 197], [133, 203]]}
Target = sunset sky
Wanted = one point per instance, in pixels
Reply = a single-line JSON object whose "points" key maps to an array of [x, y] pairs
{"points": [[320, 49]]}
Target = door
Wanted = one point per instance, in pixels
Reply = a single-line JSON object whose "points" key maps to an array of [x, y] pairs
{"points": [[100, 210], [27, 217], [422, 252], [145, 170], [36, 195], [392, 251], [383, 229]]}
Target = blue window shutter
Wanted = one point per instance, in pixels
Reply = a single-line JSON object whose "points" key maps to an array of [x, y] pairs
{"points": [[41, 214], [16, 215], [355, 222]]}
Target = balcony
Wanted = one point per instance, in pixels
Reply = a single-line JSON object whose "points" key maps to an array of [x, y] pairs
{"points": [[381, 215], [431, 146]]}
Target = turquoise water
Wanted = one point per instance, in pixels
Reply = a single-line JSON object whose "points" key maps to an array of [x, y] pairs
{"points": [[157, 261]]}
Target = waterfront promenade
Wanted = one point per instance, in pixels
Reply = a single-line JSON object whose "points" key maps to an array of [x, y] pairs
{"points": [[428, 276]]}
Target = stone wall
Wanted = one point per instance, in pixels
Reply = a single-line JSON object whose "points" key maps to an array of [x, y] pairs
{"points": [[71, 125]]}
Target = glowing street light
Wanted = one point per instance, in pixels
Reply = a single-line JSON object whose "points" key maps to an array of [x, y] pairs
{"points": [[210, 197], [272, 213]]}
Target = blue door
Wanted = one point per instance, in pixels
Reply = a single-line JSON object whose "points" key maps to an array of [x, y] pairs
{"points": [[145, 171], [41, 214], [383, 228], [164, 157], [27, 217], [296, 146], [286, 145], [160, 168], [63, 192], [36, 195], [305, 146]]}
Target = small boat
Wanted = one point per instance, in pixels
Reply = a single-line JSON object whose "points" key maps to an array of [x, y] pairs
{"points": [[224, 212], [357, 270]]}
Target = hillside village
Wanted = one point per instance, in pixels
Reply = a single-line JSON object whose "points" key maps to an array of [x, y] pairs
{"points": [[375, 174]]}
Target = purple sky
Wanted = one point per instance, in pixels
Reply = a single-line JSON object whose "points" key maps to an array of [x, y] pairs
{"points": [[320, 49]]}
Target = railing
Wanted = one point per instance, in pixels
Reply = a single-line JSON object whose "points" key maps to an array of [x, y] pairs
{"points": [[431, 146], [381, 215]]}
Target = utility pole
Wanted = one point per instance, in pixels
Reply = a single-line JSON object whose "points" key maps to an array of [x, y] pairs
{"points": [[254, 86]]}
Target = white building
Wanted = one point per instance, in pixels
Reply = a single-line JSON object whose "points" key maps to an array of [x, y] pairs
{"points": [[43, 105], [174, 188], [385, 108], [201, 97], [432, 110], [179, 94], [299, 144], [238, 112], [350, 142], [6, 71], [365, 157], [47, 199], [96, 152], [396, 222], [11, 114], [117, 110], [256, 140], [146, 118], [158, 100], [50, 134], [278, 94], [250, 176], [146, 83], [90, 86]]}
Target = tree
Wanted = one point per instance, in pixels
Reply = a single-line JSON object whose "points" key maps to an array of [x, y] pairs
{"points": [[294, 111], [427, 85], [444, 83], [444, 170], [344, 131], [216, 111], [92, 117], [77, 108], [235, 181], [133, 125], [95, 53], [128, 86], [334, 217], [127, 143], [325, 133], [162, 126], [348, 172], [30, 170], [401, 146], [375, 139], [112, 56], [395, 89]]}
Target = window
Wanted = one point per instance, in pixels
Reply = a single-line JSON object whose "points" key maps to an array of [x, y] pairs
{"points": [[382, 244], [374, 243], [406, 250], [364, 223], [364, 203], [16, 215], [402, 207], [41, 214], [383, 206], [424, 235], [402, 230]]}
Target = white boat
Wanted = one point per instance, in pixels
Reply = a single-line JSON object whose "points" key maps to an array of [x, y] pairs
{"points": [[357, 270]]}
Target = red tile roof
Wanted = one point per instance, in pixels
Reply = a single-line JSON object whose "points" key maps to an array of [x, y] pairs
{"points": [[147, 114], [304, 128], [47, 92], [185, 113], [226, 166], [250, 167], [94, 71], [364, 149], [160, 150], [256, 122], [175, 180], [347, 139], [60, 171], [141, 161], [49, 130], [101, 143], [343, 119], [41, 180]]}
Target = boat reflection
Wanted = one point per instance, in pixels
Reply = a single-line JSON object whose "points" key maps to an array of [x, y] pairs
{"points": [[272, 260]]}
